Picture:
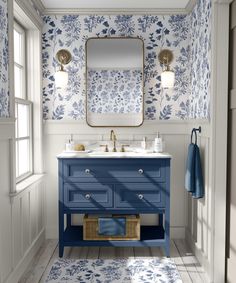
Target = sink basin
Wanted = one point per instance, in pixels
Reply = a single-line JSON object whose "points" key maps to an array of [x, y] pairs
{"points": [[112, 154]]}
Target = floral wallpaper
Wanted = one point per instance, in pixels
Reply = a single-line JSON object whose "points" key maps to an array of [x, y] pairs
{"points": [[200, 46], [188, 36], [4, 88], [72, 31], [118, 91]]}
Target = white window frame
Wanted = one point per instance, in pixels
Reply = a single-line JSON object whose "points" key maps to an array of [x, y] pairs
{"points": [[24, 101], [22, 31]]}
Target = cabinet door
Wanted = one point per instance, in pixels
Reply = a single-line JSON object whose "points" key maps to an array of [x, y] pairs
{"points": [[140, 195], [81, 195]]}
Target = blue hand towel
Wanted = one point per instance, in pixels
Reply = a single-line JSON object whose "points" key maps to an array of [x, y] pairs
{"points": [[112, 226], [193, 176], [199, 186]]}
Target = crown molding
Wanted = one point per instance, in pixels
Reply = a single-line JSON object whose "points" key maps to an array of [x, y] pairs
{"points": [[189, 7], [115, 11], [39, 5], [109, 11], [226, 2], [26, 13]]}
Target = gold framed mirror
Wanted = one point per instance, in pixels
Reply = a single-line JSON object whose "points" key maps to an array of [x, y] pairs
{"points": [[114, 82]]}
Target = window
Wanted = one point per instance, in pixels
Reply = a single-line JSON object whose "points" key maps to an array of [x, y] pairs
{"points": [[23, 107]]}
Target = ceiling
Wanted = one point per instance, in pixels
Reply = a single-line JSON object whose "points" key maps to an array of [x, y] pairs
{"points": [[115, 4]]}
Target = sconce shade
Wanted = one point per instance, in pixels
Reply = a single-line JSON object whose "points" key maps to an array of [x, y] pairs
{"points": [[61, 79], [61, 76], [167, 79], [165, 57]]}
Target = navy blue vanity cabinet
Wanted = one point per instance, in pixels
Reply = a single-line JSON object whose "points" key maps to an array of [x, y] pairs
{"points": [[114, 186]]}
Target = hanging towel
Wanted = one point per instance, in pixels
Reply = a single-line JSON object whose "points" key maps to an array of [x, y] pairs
{"points": [[190, 172], [193, 177]]}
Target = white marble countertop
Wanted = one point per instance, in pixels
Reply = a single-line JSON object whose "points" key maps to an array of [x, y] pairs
{"points": [[99, 154]]}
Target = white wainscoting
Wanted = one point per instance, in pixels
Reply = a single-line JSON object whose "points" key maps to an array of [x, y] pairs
{"points": [[199, 231], [176, 137], [21, 215]]}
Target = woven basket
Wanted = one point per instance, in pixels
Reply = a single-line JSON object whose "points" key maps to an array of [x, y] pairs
{"points": [[90, 229]]}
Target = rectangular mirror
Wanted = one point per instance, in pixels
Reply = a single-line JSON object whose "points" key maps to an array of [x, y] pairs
{"points": [[114, 82]]}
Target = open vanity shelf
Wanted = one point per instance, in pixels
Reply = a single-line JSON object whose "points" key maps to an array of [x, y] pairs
{"points": [[91, 185], [150, 236]]}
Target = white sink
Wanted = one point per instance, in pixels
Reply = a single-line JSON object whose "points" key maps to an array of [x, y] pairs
{"points": [[112, 154]]}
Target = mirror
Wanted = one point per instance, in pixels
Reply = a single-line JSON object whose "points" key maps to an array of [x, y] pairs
{"points": [[114, 82]]}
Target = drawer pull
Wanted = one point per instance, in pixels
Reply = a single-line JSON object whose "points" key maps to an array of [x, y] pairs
{"points": [[140, 196], [87, 171], [140, 171], [87, 196]]}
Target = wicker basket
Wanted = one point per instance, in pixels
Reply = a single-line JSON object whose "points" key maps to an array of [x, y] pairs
{"points": [[90, 229]]}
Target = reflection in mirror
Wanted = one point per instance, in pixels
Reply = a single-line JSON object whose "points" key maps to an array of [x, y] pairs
{"points": [[114, 81]]}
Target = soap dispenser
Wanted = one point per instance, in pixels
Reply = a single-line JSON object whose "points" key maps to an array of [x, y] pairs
{"points": [[144, 143], [158, 143]]}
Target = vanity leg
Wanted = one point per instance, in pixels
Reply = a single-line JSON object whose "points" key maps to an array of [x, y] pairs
{"points": [[61, 250], [61, 230], [167, 232]]}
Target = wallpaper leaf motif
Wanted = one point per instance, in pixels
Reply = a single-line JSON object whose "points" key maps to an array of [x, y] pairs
{"points": [[4, 61], [201, 60], [188, 36], [118, 91]]}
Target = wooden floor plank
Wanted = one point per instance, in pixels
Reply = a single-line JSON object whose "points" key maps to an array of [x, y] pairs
{"points": [[127, 252], [93, 253], [157, 252], [142, 252], [54, 256], [107, 253], [175, 256], [79, 253], [38, 265], [189, 260]]}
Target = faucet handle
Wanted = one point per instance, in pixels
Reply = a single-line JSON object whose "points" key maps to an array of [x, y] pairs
{"points": [[106, 147], [123, 147]]}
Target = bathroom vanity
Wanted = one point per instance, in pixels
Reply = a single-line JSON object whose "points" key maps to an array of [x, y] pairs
{"points": [[114, 183]]}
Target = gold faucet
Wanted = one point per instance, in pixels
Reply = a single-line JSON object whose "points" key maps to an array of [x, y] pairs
{"points": [[113, 138]]}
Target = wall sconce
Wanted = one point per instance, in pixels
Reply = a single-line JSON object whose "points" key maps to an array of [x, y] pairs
{"points": [[167, 76], [61, 76]]}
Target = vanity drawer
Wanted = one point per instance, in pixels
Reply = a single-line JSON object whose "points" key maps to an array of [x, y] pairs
{"points": [[140, 195], [80, 195], [144, 169]]}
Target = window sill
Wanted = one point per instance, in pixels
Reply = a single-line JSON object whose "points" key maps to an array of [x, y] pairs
{"points": [[26, 183]]}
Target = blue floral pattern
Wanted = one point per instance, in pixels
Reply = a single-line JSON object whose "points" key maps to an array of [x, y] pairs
{"points": [[201, 60], [188, 36], [114, 91], [4, 85], [116, 271]]}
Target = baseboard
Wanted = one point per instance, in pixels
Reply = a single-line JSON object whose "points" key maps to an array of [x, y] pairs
{"points": [[175, 232], [25, 261], [199, 255]]}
